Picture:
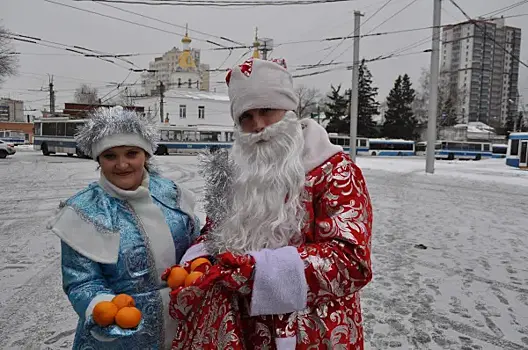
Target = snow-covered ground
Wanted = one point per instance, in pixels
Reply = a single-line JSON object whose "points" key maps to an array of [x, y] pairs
{"points": [[467, 290]]}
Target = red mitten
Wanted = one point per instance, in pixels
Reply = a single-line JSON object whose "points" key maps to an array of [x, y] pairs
{"points": [[185, 299], [231, 260], [240, 267]]}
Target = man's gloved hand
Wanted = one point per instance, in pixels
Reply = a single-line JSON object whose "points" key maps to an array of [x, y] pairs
{"points": [[233, 272]]}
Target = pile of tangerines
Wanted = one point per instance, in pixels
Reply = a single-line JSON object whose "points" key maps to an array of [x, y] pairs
{"points": [[121, 311], [179, 276]]}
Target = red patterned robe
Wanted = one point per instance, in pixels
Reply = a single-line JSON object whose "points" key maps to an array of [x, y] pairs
{"points": [[336, 255]]}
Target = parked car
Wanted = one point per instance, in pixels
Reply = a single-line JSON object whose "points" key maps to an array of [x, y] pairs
{"points": [[6, 149]]}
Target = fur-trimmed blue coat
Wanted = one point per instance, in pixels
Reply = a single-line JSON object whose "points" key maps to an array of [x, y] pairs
{"points": [[116, 241]]}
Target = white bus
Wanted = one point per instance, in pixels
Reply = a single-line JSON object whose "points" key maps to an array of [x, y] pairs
{"points": [[193, 139], [14, 137], [344, 141], [457, 150], [387, 147], [56, 135]]}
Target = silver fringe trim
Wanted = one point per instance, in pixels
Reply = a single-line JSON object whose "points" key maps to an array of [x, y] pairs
{"points": [[217, 169]]}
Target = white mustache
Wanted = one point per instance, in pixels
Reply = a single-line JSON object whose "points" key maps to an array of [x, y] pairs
{"points": [[269, 132]]}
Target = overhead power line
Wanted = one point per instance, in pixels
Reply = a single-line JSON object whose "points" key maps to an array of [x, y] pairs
{"points": [[506, 8], [129, 22], [349, 66], [349, 34], [394, 15], [476, 24], [171, 24], [219, 3]]}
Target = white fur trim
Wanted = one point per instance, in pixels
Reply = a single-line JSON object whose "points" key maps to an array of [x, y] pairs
{"points": [[317, 145], [89, 312], [286, 343], [187, 201], [195, 251], [83, 237], [157, 231], [280, 285], [120, 140]]}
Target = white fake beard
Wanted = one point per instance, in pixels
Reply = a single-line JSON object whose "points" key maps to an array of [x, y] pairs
{"points": [[267, 208]]}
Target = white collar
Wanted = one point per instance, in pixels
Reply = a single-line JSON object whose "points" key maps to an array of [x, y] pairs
{"points": [[317, 145]]}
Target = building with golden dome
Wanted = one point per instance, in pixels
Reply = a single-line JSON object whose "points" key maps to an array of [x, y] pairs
{"points": [[177, 69]]}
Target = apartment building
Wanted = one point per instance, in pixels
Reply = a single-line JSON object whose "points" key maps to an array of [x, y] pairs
{"points": [[480, 67]]}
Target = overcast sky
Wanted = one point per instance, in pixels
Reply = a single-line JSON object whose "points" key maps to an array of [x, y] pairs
{"points": [[52, 22]]}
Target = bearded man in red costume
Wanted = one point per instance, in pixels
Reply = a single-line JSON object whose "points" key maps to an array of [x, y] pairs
{"points": [[288, 229]]}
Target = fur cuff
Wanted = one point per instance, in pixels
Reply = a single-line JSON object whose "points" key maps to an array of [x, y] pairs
{"points": [[195, 251], [89, 310], [279, 285]]}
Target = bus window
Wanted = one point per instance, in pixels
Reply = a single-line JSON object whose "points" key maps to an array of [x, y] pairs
{"points": [[1, 134], [171, 136], [500, 150], [208, 136], [362, 143], [178, 135], [71, 129], [420, 147], [38, 128], [476, 147], [486, 147], [61, 129], [164, 135], [514, 148], [438, 146], [49, 129], [189, 136]]}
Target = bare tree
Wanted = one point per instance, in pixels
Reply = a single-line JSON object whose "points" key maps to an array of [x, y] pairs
{"points": [[308, 99], [126, 97], [449, 101], [8, 60], [86, 94]]}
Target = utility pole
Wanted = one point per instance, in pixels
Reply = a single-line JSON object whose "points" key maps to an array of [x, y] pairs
{"points": [[162, 95], [52, 95], [433, 94], [355, 88], [265, 46]]}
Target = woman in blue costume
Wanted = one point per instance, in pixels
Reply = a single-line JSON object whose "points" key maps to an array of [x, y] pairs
{"points": [[119, 234]]}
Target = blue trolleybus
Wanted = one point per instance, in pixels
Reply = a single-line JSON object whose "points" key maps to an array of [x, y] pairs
{"points": [[451, 150], [517, 155], [56, 135]]}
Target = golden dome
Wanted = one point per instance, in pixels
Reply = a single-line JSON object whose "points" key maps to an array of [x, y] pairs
{"points": [[186, 39], [256, 44]]}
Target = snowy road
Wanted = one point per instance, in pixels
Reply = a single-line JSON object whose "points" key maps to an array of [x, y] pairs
{"points": [[467, 290]]}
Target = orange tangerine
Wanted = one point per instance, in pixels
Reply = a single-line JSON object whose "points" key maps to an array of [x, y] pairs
{"points": [[104, 313], [198, 262], [177, 277], [128, 317], [193, 276], [123, 300]]}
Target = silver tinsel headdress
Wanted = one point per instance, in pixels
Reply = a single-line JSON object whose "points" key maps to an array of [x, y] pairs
{"points": [[107, 122]]}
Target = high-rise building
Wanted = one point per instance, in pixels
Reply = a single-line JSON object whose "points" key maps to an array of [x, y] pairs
{"points": [[480, 69], [177, 69]]}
